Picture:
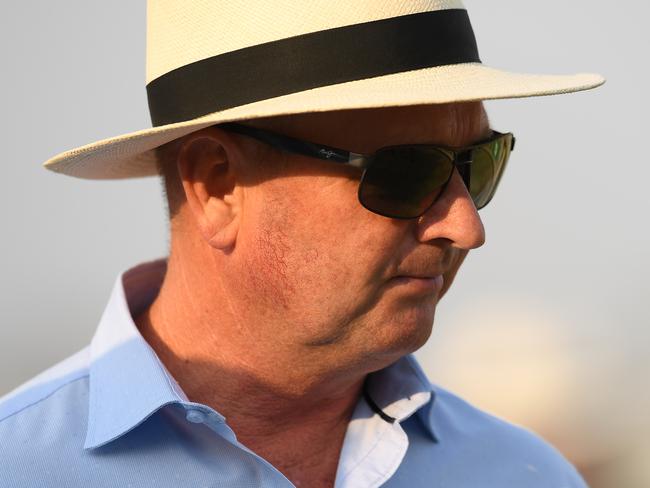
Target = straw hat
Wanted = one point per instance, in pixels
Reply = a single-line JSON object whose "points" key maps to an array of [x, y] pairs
{"points": [[216, 61]]}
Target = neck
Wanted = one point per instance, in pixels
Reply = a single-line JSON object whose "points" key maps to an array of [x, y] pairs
{"points": [[273, 394]]}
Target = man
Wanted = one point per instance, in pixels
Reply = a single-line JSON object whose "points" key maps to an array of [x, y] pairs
{"points": [[311, 241]]}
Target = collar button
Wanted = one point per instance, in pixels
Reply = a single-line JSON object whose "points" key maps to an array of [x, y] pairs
{"points": [[195, 416]]}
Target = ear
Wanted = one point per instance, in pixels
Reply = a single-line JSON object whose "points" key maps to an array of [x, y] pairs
{"points": [[206, 165]]}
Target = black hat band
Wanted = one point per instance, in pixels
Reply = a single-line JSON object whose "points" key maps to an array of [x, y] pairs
{"points": [[317, 59]]}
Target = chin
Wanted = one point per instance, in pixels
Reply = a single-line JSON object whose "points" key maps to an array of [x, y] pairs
{"points": [[405, 333], [417, 338]]}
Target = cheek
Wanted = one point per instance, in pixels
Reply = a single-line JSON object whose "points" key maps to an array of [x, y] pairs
{"points": [[270, 276], [286, 257], [315, 250], [282, 255]]}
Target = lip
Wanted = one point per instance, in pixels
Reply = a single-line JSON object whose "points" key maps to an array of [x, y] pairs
{"points": [[417, 283]]}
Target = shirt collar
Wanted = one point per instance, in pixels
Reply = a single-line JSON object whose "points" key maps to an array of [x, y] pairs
{"points": [[128, 382], [403, 389]]}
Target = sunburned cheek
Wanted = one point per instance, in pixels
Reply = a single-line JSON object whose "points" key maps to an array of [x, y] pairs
{"points": [[270, 277], [302, 257], [284, 274]]}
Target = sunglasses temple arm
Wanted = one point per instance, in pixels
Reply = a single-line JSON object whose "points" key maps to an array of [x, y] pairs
{"points": [[291, 144]]}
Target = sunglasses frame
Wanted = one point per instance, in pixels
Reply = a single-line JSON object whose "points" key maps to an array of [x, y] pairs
{"points": [[460, 157]]}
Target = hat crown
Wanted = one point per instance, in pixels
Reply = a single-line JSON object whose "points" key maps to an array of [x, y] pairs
{"points": [[180, 32], [215, 61]]}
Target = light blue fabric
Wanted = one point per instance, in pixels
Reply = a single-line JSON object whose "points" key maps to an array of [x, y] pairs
{"points": [[111, 415]]}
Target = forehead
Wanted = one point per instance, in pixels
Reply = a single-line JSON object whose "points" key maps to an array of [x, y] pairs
{"points": [[365, 130]]}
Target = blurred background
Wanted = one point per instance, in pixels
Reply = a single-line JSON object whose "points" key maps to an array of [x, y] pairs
{"points": [[547, 325]]}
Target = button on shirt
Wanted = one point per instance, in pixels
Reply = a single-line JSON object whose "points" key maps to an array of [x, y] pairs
{"points": [[111, 415]]}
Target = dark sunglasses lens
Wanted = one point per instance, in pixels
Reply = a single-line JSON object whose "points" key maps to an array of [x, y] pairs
{"points": [[402, 182], [488, 164]]}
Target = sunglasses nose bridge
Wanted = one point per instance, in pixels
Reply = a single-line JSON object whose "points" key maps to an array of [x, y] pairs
{"points": [[463, 163]]}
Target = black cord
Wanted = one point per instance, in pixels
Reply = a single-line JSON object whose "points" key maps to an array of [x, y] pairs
{"points": [[375, 408]]}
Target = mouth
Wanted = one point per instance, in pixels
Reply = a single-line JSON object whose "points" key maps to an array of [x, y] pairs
{"points": [[423, 284]]}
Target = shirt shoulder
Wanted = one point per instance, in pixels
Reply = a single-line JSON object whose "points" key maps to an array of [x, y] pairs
{"points": [[43, 423], [43, 385], [498, 450]]}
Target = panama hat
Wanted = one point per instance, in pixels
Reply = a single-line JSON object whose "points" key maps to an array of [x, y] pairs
{"points": [[217, 61]]}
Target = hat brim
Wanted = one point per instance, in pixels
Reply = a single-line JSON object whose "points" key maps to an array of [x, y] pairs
{"points": [[132, 155]]}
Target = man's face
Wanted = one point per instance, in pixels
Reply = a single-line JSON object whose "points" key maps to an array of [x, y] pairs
{"points": [[316, 266]]}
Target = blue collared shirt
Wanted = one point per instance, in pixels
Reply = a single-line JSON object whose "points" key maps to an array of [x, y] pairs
{"points": [[111, 415]]}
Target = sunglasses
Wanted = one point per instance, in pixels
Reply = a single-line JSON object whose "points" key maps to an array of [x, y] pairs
{"points": [[404, 181]]}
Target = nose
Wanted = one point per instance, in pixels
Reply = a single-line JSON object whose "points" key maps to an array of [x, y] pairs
{"points": [[454, 217]]}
